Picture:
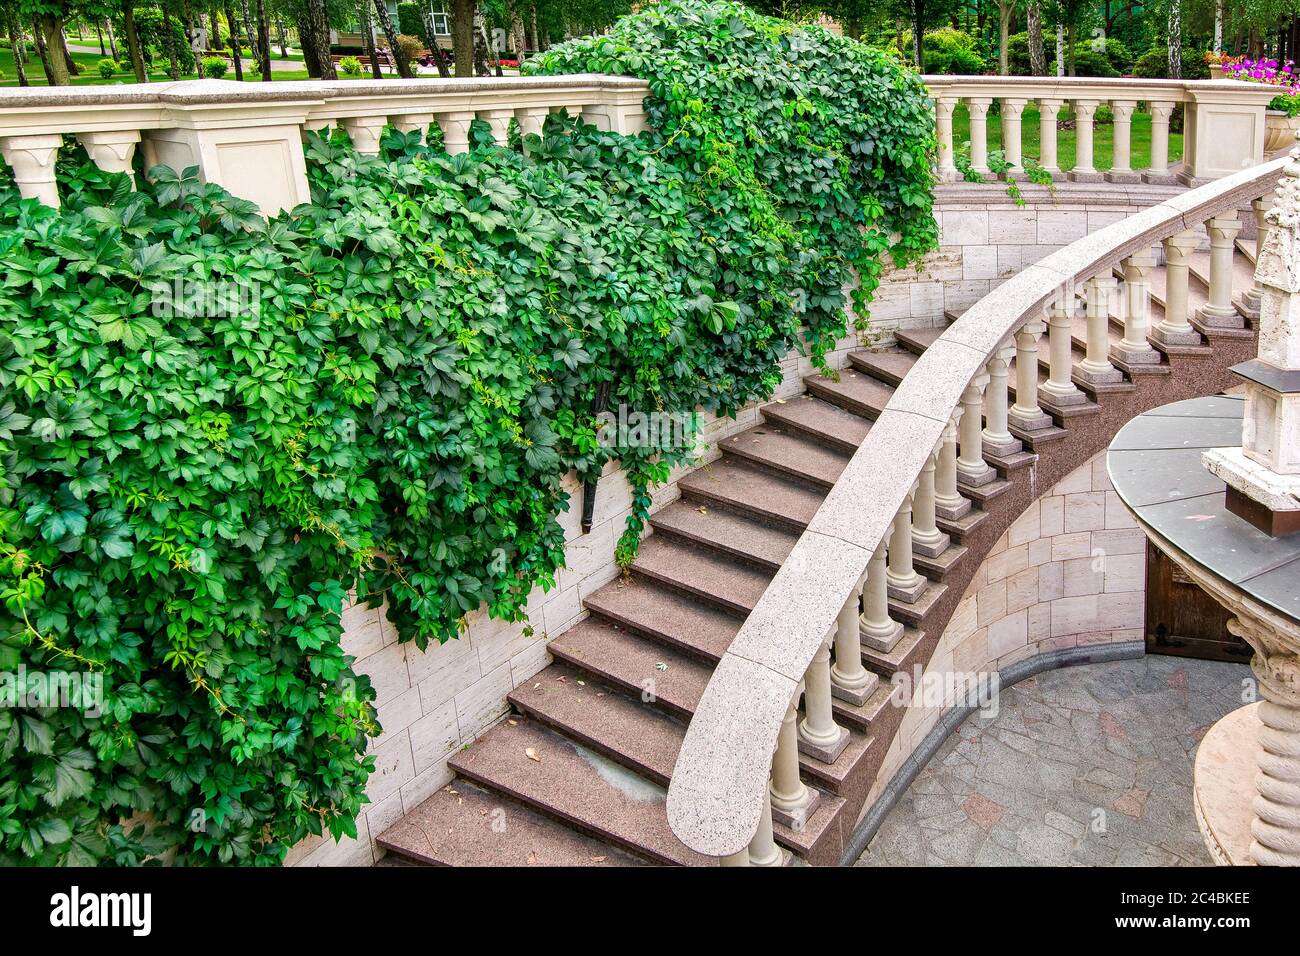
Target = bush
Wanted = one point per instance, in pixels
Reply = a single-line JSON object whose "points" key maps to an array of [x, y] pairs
{"points": [[1154, 65], [1090, 61], [950, 51], [350, 66], [392, 404], [107, 67], [411, 46], [215, 67]]}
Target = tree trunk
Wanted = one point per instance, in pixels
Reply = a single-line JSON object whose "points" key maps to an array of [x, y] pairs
{"points": [[16, 45], [399, 55], [435, 51], [112, 40], [214, 30], [56, 64], [99, 33], [918, 34], [530, 34], [169, 44], [251, 33], [1005, 9], [1060, 50], [1037, 54], [133, 41], [264, 40], [316, 32], [1218, 26], [236, 48], [368, 38], [73, 68], [1175, 40], [462, 35], [491, 59], [282, 38], [1069, 43]]}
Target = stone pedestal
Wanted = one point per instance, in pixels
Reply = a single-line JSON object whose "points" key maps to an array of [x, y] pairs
{"points": [[1223, 785]]}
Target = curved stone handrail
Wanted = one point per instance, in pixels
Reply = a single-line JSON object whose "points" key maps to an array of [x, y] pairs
{"points": [[718, 791]]}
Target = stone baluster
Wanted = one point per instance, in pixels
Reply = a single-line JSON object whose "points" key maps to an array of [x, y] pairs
{"points": [[455, 131], [972, 469], [112, 150], [1133, 348], [1083, 172], [878, 630], [1059, 389], [1026, 412], [793, 801], [498, 121], [31, 159], [1159, 171], [948, 502], [1219, 312], [763, 850], [904, 582], [1047, 113], [978, 108], [1096, 368], [739, 858], [927, 539], [997, 437], [408, 123], [1012, 110], [1174, 329], [1121, 165], [321, 126], [943, 107], [1250, 299], [819, 736], [365, 132], [849, 679], [531, 119]]}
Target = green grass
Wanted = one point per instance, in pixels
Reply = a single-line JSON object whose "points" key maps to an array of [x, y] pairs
{"points": [[1103, 139]]}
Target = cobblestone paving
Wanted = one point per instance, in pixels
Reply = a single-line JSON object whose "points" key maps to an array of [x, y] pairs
{"points": [[1083, 766]]}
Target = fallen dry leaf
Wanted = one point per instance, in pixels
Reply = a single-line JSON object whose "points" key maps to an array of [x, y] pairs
{"points": [[531, 754]]}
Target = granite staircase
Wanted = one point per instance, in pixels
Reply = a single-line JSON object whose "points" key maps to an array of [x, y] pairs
{"points": [[577, 774]]}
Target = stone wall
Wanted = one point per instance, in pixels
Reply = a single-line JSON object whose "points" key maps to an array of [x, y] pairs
{"points": [[435, 702], [1070, 571]]}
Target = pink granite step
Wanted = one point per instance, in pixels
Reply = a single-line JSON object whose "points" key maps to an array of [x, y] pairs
{"points": [[788, 454], [856, 392], [889, 366], [917, 340], [560, 779], [726, 531], [820, 420], [462, 825], [663, 614], [752, 491], [716, 578]]}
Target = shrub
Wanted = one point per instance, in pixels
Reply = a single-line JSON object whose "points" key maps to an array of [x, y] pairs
{"points": [[1154, 65], [951, 51], [1288, 103], [188, 494], [350, 66], [411, 46], [107, 67], [1090, 61], [215, 67]]}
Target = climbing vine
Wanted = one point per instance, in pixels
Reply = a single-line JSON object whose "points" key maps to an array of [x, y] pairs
{"points": [[218, 428]]}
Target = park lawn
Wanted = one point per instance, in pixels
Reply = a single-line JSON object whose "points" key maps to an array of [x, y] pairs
{"points": [[1103, 139]]}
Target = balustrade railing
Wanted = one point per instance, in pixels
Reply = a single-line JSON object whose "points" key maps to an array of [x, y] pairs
{"points": [[739, 759], [249, 137], [1223, 130]]}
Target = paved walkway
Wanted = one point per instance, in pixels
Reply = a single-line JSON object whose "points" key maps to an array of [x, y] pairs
{"points": [[1084, 766]]}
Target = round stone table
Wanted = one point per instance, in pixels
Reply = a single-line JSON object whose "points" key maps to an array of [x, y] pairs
{"points": [[1155, 466]]}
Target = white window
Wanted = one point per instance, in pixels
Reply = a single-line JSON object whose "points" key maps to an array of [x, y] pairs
{"points": [[441, 23]]}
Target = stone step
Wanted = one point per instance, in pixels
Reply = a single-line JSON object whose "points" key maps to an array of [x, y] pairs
{"points": [[635, 737], [940, 566], [983, 494], [914, 613], [463, 825], [819, 420], [855, 391], [753, 491], [673, 681], [917, 340], [788, 454], [556, 777], [764, 545], [662, 614], [725, 583], [905, 653], [888, 366], [1246, 247], [958, 528]]}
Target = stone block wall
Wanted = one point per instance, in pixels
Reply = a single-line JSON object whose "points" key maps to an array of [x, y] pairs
{"points": [[1070, 571]]}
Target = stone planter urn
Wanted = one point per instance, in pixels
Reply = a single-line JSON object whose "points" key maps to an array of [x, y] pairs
{"points": [[1279, 130], [1216, 71]]}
